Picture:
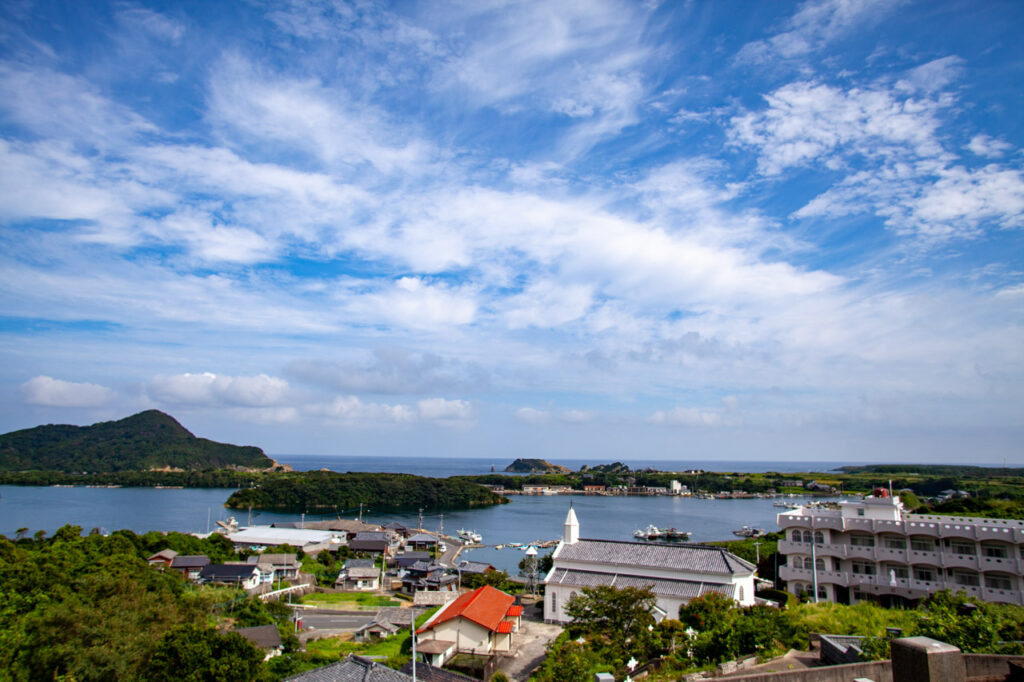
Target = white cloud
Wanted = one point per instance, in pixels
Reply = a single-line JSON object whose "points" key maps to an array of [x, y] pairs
{"points": [[686, 416], [351, 411], [577, 416], [985, 145], [547, 304], [532, 415], [415, 303], [212, 389], [440, 409], [44, 390], [815, 25]]}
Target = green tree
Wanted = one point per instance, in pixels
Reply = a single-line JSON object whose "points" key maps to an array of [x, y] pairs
{"points": [[197, 654], [619, 613], [707, 611]]}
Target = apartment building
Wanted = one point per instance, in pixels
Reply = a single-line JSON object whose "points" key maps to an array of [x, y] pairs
{"points": [[874, 550]]}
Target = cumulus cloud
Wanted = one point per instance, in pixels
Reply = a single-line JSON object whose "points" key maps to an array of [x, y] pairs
{"points": [[577, 416], [350, 410], [208, 388], [50, 392], [440, 409], [985, 145], [531, 415]]}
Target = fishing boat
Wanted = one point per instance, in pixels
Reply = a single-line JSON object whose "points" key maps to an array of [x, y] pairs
{"points": [[470, 536], [652, 532], [748, 532]]}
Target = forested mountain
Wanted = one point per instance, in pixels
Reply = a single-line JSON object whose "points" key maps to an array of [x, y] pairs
{"points": [[147, 440]]}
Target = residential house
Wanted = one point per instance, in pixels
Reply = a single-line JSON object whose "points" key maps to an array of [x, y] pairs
{"points": [[480, 622], [430, 577], [422, 541], [378, 628], [475, 567], [675, 572], [265, 637], [351, 669], [397, 528], [875, 550], [246, 576], [371, 542], [162, 559], [428, 673], [281, 566], [190, 565], [593, 489], [407, 559], [359, 574]]}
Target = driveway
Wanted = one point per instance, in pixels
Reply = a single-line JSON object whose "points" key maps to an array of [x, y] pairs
{"points": [[531, 644]]}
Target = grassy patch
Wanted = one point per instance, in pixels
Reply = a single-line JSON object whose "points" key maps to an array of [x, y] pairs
{"points": [[349, 599]]}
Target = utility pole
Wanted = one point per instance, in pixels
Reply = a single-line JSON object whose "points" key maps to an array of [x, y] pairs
{"points": [[421, 518], [757, 552], [360, 512], [440, 532]]}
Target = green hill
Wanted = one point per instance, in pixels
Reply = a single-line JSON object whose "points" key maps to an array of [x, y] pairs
{"points": [[148, 440]]}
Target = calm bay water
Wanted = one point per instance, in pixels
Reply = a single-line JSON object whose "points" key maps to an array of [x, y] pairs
{"points": [[526, 519]]}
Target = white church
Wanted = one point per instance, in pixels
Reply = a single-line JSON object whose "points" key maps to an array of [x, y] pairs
{"points": [[676, 573]]}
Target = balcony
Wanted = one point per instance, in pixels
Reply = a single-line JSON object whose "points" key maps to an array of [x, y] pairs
{"points": [[919, 557], [960, 561], [1004, 596], [890, 554], [1007, 564], [860, 552]]}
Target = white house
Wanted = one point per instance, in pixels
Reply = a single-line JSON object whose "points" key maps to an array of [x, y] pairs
{"points": [[480, 622], [676, 573]]}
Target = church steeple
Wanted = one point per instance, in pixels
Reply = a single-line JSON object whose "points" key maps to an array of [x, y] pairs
{"points": [[571, 531]]}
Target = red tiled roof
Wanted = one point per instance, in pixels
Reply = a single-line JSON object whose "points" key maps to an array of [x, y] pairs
{"points": [[505, 627], [485, 606], [515, 611]]}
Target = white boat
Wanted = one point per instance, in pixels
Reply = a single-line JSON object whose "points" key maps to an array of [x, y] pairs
{"points": [[470, 536], [748, 532]]}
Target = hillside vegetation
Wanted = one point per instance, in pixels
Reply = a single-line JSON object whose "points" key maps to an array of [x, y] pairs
{"points": [[325, 491], [147, 440]]}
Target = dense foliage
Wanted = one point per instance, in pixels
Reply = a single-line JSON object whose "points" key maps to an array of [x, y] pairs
{"points": [[147, 440], [326, 491], [91, 608], [608, 631]]}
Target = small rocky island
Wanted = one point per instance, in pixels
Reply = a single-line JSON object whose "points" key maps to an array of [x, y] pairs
{"points": [[536, 466]]}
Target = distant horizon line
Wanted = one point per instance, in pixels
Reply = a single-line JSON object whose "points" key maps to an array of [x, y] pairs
{"points": [[997, 465]]}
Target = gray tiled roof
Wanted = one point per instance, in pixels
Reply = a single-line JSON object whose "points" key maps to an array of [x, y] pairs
{"points": [[685, 557], [428, 673], [352, 669], [684, 589], [190, 561], [359, 563], [263, 636]]}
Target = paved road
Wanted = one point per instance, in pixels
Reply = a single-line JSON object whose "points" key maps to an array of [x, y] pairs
{"points": [[531, 645]]}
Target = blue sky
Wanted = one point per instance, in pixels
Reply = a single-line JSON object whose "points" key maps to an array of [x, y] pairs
{"points": [[595, 230]]}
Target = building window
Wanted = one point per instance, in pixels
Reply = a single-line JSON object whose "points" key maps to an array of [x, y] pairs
{"points": [[924, 574], [923, 545], [998, 582], [819, 538], [554, 603], [895, 543], [862, 541], [819, 564], [822, 592], [899, 571], [962, 548], [796, 536], [807, 537], [995, 551], [863, 568], [966, 579], [741, 594], [860, 512]]}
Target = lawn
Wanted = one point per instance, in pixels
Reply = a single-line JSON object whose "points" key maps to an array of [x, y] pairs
{"points": [[355, 600]]}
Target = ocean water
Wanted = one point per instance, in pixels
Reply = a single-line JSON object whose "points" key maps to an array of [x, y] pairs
{"points": [[525, 519], [441, 467]]}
